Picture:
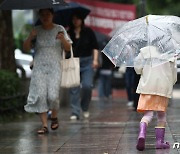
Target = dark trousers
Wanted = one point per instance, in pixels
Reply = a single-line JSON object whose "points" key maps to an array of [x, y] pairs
{"points": [[136, 96], [129, 81]]}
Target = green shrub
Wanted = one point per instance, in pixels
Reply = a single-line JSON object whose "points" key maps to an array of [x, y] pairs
{"points": [[9, 83], [11, 98]]}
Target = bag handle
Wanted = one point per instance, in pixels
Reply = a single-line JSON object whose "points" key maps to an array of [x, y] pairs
{"points": [[72, 55]]}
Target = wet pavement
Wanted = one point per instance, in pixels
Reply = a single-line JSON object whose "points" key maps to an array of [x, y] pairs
{"points": [[111, 129]]}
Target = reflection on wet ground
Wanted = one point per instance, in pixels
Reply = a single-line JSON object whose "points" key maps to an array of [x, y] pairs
{"points": [[111, 129]]}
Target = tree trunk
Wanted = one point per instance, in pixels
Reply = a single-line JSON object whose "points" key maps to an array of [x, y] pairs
{"points": [[7, 59]]}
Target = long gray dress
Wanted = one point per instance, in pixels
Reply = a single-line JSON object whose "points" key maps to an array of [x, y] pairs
{"points": [[46, 76]]}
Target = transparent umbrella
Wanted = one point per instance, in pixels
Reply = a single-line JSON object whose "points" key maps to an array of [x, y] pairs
{"points": [[159, 34]]}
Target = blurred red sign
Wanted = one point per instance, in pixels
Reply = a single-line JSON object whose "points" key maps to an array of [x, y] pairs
{"points": [[106, 17]]}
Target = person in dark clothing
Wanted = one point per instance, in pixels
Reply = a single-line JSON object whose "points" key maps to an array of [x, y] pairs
{"points": [[105, 78], [136, 96], [129, 80], [85, 47]]}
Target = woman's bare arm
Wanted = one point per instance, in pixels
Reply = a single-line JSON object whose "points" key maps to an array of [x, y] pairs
{"points": [[66, 44], [27, 45]]}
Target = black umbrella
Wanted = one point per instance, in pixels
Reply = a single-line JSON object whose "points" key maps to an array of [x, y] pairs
{"points": [[63, 15], [30, 4]]}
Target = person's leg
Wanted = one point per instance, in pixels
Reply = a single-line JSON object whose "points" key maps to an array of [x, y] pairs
{"points": [[136, 96], [107, 84], [54, 119], [128, 86], [44, 129], [43, 117], [101, 86], [53, 96], [160, 131], [142, 130], [161, 119], [86, 82], [128, 83], [54, 113], [86, 91], [37, 98], [147, 118], [132, 83], [74, 94]]}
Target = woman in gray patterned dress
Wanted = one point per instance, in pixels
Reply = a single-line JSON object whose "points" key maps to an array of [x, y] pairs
{"points": [[44, 89]]}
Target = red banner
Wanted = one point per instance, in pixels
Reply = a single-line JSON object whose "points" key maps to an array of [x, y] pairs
{"points": [[106, 17]]}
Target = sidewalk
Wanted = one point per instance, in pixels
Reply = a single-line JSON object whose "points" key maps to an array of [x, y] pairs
{"points": [[111, 129]]}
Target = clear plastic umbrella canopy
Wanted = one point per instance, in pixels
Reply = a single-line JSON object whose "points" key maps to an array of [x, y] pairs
{"points": [[159, 35]]}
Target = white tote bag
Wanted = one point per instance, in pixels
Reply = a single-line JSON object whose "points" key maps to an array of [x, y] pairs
{"points": [[70, 71]]}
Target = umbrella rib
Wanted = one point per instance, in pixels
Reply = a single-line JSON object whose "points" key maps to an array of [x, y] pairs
{"points": [[157, 27], [128, 41], [161, 30], [126, 30], [159, 40]]}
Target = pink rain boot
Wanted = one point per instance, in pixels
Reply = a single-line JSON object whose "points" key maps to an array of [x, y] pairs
{"points": [[160, 144], [142, 136]]}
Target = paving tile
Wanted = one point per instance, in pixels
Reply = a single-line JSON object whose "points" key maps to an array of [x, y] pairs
{"points": [[111, 129]]}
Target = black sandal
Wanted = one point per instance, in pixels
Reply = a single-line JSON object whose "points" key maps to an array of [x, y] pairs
{"points": [[43, 130], [54, 123]]}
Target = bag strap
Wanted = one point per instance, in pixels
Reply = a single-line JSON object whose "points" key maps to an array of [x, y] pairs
{"points": [[72, 55]]}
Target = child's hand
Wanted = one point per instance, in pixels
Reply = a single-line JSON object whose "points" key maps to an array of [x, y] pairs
{"points": [[177, 54]]}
